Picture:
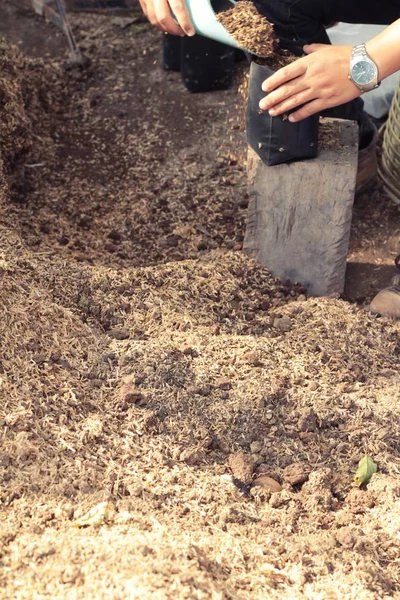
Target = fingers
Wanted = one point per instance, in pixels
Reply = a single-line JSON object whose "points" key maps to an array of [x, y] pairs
{"points": [[160, 16], [143, 7], [316, 106], [169, 16], [310, 48], [182, 16], [292, 102], [292, 90], [148, 9], [292, 71]]}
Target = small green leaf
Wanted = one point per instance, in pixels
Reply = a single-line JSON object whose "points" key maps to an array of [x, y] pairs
{"points": [[366, 468]]}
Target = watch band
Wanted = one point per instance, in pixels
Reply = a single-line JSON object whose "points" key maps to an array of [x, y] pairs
{"points": [[359, 51]]}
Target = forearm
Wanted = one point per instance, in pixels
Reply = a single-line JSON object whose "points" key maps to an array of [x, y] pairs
{"points": [[384, 49]]}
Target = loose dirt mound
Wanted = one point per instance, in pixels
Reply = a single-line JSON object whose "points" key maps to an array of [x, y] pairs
{"points": [[27, 90], [147, 364]]}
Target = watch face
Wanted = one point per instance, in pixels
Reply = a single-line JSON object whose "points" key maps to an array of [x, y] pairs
{"points": [[363, 72]]}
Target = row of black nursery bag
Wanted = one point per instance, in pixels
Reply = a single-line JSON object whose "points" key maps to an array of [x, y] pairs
{"points": [[207, 65]]}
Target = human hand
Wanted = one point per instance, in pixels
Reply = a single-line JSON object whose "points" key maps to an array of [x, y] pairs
{"points": [[314, 82], [159, 14]]}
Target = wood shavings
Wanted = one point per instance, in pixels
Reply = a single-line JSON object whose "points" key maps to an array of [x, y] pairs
{"points": [[250, 29], [98, 515], [138, 352], [253, 32]]}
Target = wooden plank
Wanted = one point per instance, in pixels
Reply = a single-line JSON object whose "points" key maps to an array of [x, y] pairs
{"points": [[299, 214]]}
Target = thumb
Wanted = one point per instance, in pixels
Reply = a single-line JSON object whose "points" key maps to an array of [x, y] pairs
{"points": [[310, 48]]}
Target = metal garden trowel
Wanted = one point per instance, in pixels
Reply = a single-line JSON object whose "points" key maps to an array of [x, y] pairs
{"points": [[74, 48]]}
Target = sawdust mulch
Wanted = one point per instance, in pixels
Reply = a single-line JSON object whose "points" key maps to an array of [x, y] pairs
{"points": [[146, 363]]}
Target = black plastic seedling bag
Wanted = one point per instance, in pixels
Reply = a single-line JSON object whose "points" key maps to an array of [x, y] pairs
{"points": [[275, 139], [171, 46], [206, 65]]}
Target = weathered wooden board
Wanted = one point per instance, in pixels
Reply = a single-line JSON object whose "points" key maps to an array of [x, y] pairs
{"points": [[299, 214]]}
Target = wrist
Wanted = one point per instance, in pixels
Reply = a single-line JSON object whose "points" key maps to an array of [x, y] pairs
{"points": [[384, 49], [379, 58]]}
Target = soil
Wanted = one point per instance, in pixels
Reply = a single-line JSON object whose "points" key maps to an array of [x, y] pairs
{"points": [[175, 422], [250, 29], [253, 32]]}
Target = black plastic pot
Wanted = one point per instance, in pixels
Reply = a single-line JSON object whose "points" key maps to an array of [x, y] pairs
{"points": [[275, 139], [171, 49], [206, 65]]}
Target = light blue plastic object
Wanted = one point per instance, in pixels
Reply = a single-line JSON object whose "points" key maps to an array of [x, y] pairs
{"points": [[202, 14]]}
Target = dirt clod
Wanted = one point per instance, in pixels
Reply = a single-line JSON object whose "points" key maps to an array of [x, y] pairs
{"points": [[268, 484], [256, 447], [129, 394], [308, 421], [359, 500], [295, 474], [119, 334], [224, 384], [283, 324], [279, 499], [242, 467], [192, 456]]}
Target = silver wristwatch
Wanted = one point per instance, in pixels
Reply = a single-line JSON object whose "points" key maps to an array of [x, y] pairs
{"points": [[363, 71]]}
